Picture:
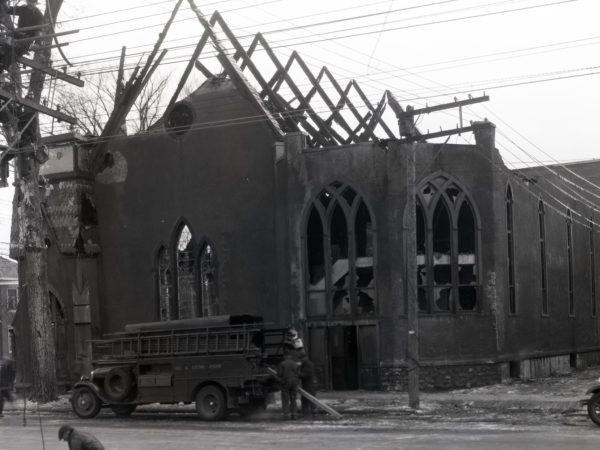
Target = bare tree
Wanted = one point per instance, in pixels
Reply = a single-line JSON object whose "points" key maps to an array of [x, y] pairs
{"points": [[28, 231], [94, 104]]}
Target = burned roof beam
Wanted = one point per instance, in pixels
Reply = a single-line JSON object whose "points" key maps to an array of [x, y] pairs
{"points": [[323, 128], [335, 112], [344, 94], [376, 115], [253, 69], [192, 62]]}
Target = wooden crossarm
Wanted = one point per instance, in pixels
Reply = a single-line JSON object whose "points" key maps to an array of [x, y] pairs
{"points": [[50, 71], [37, 107]]}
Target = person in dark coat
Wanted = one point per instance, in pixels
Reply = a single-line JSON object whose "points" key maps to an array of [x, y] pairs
{"points": [[307, 378], [7, 381], [289, 377], [78, 440]]}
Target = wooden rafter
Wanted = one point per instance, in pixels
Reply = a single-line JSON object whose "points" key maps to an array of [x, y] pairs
{"points": [[254, 70], [324, 130], [295, 110], [376, 115], [234, 72], [362, 121]]}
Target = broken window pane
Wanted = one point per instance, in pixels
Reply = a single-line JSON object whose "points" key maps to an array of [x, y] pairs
{"points": [[316, 305], [363, 230], [428, 192], [364, 276], [442, 298], [466, 229], [164, 285], [341, 303], [349, 194], [366, 301], [452, 192], [467, 297], [314, 250], [421, 231], [208, 285], [325, 198], [339, 235], [422, 299], [442, 274], [186, 283], [466, 274]]}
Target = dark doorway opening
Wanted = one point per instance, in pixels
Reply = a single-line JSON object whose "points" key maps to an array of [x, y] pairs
{"points": [[344, 357], [515, 369]]}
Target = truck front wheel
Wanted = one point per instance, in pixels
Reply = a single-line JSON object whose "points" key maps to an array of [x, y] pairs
{"points": [[210, 403], [593, 407], [86, 403]]}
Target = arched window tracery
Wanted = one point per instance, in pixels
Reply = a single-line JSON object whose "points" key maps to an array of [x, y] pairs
{"points": [[339, 246], [447, 253]]}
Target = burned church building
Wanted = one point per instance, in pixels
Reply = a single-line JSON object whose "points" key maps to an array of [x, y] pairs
{"points": [[237, 203]]}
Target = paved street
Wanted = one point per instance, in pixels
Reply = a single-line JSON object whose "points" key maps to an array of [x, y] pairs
{"points": [[541, 414], [149, 431]]}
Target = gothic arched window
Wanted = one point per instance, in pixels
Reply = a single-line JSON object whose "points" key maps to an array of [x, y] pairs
{"points": [[447, 236], [339, 245]]}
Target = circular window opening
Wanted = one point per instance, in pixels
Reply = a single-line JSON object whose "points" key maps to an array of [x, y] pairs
{"points": [[179, 119]]}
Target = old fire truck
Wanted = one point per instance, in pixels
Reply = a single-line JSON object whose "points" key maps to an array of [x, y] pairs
{"points": [[220, 363]]}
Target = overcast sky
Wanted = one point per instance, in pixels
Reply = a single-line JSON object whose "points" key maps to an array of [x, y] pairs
{"points": [[538, 60]]}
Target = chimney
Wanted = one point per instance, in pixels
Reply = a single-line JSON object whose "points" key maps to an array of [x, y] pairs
{"points": [[485, 134]]}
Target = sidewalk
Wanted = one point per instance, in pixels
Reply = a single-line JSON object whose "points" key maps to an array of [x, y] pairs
{"points": [[557, 394]]}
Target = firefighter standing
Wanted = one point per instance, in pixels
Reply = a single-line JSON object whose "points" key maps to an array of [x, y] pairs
{"points": [[289, 377]]}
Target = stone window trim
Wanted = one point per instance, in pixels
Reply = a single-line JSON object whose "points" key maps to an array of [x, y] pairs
{"points": [[441, 193], [342, 203]]}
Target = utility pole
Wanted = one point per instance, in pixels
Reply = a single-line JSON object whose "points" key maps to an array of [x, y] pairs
{"points": [[410, 264], [28, 234]]}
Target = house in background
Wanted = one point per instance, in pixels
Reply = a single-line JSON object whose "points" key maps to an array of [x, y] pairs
{"points": [[9, 299]]}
